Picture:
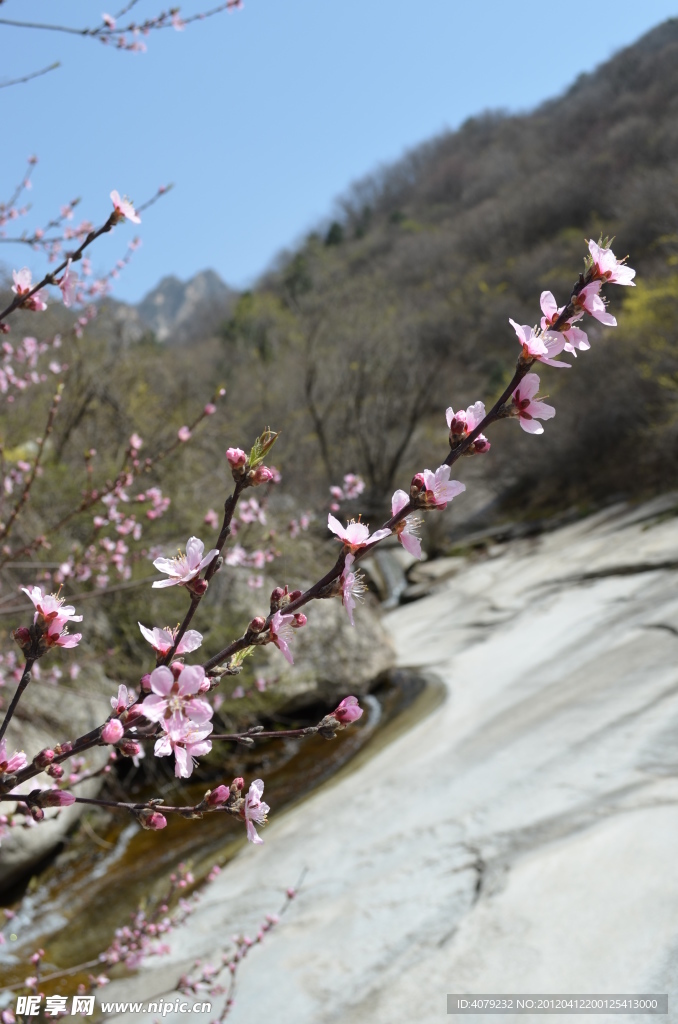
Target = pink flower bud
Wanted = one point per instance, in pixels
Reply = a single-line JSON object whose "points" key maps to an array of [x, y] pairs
{"points": [[197, 586], [44, 758], [260, 475], [151, 819], [37, 813], [113, 731], [418, 484], [291, 893], [276, 597], [63, 748], [22, 637], [257, 624], [237, 785], [56, 798], [348, 711], [210, 409], [236, 457], [299, 620], [218, 796], [184, 434], [55, 771], [129, 748]]}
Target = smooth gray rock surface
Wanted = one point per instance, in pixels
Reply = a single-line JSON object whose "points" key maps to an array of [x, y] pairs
{"points": [[524, 837]]}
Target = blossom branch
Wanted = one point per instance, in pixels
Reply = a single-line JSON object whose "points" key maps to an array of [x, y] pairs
{"points": [[23, 683], [16, 511], [31, 76]]}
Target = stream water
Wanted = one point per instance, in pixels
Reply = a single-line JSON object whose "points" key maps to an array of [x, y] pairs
{"points": [[108, 864]]}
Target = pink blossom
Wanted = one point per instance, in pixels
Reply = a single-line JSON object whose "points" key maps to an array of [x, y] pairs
{"points": [[113, 731], [51, 606], [124, 209], [348, 711], [124, 697], [355, 535], [463, 422], [608, 267], [184, 568], [437, 488], [173, 700], [528, 409], [22, 286], [69, 285], [108, 20], [236, 457], [574, 337], [210, 409], [405, 528], [211, 518], [10, 765], [255, 810], [282, 633], [185, 740], [352, 586], [539, 346], [590, 301], [135, 442], [162, 640], [184, 434]]}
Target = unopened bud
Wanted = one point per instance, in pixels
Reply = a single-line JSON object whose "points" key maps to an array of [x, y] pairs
{"points": [[23, 638], [257, 624], [113, 731], [237, 785], [56, 798], [277, 596], [151, 819], [37, 813], [198, 586], [260, 475], [299, 620], [44, 758], [129, 748], [55, 771], [236, 457], [218, 796], [417, 486], [63, 748]]}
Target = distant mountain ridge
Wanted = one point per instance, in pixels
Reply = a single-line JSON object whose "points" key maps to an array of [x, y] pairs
{"points": [[177, 312]]}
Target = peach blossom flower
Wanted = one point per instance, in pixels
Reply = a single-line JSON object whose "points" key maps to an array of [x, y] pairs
{"points": [[352, 587], [355, 535], [184, 568], [405, 529], [590, 301], [527, 408], [539, 346], [609, 268], [162, 640], [255, 810], [124, 209]]}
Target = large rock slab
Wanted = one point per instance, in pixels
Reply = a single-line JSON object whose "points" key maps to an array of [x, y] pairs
{"points": [[523, 837]]}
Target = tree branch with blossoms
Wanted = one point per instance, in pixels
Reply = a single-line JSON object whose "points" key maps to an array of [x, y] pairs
{"points": [[172, 708]]}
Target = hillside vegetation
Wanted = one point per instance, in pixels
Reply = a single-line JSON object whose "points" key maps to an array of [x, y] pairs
{"points": [[400, 305]]}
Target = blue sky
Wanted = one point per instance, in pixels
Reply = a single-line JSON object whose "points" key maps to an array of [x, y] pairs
{"points": [[262, 117]]}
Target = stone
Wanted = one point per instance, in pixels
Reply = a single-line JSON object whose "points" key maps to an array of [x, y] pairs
{"points": [[522, 837]]}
